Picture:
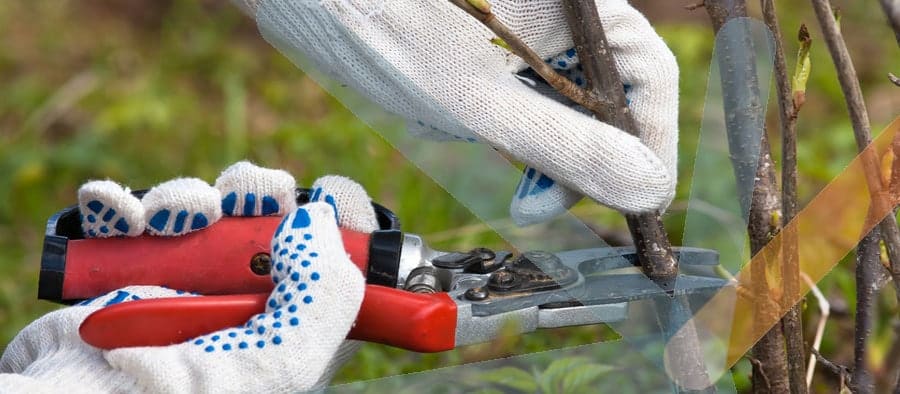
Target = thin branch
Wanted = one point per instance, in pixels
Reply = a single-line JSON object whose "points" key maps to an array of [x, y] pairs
{"points": [[849, 81], [758, 370], [892, 358], [892, 12], [691, 7], [825, 312], [842, 372], [868, 258], [791, 323], [519, 48], [754, 172]]}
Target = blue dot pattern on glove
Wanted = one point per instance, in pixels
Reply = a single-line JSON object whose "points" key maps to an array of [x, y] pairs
{"points": [[293, 276], [328, 198], [160, 219], [248, 206], [528, 186], [568, 65], [103, 216]]}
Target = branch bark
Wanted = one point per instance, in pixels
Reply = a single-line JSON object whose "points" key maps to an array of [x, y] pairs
{"points": [[868, 259], [791, 323]]}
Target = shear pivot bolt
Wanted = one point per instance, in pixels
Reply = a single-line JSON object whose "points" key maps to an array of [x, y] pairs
{"points": [[476, 294], [261, 264]]}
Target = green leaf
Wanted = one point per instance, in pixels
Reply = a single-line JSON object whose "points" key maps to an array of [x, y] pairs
{"points": [[511, 377], [551, 378], [576, 380], [803, 67]]}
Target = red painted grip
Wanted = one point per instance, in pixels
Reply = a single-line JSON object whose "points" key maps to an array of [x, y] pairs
{"points": [[215, 260], [418, 322]]}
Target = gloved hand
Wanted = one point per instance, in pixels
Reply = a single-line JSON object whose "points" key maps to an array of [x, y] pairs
{"points": [[297, 344], [433, 64]]}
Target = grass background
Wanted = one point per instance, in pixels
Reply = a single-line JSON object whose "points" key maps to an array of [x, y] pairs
{"points": [[142, 91]]}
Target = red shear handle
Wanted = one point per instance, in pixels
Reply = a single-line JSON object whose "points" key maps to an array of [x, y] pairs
{"points": [[418, 322], [216, 260]]}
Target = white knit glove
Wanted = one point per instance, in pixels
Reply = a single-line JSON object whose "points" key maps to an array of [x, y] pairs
{"points": [[433, 64], [297, 344]]}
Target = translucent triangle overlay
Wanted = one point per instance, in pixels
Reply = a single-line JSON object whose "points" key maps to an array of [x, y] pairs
{"points": [[483, 181]]}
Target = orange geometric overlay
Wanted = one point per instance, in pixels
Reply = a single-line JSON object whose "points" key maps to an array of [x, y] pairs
{"points": [[826, 230]]}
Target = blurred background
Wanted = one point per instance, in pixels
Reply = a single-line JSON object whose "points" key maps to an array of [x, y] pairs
{"points": [[141, 91]]}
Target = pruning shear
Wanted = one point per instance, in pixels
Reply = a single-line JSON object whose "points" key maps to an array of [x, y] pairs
{"points": [[416, 298]]}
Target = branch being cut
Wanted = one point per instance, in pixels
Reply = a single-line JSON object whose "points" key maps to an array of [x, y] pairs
{"points": [[684, 354], [650, 240]]}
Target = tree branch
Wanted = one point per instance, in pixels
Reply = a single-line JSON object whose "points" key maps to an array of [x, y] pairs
{"points": [[791, 323], [650, 240], [868, 259], [892, 12], [684, 355], [849, 81], [754, 172], [605, 98], [842, 372]]}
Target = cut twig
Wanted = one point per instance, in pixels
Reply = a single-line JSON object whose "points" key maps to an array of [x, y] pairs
{"points": [[825, 312], [894, 79], [791, 323]]}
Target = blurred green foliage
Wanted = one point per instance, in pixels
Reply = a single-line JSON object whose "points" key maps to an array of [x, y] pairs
{"points": [[144, 91]]}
